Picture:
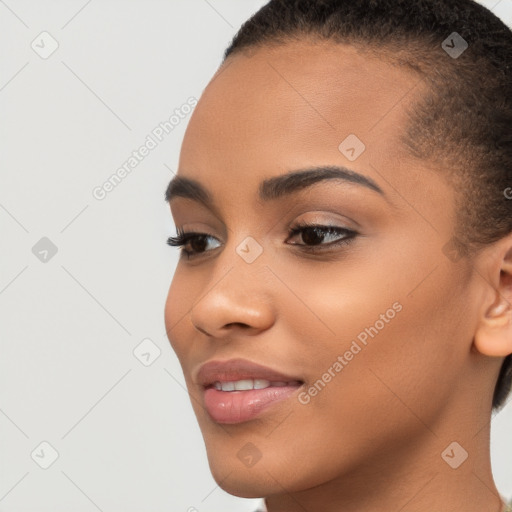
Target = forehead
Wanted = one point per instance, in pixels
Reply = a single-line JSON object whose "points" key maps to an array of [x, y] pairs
{"points": [[292, 105]]}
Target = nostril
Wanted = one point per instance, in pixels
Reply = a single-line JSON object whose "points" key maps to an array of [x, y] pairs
{"points": [[239, 324]]}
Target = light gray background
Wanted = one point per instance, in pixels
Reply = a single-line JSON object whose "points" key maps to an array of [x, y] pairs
{"points": [[125, 433]]}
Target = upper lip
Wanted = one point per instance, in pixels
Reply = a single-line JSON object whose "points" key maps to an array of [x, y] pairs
{"points": [[238, 369]]}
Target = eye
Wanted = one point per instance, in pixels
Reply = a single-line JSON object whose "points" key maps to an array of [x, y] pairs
{"points": [[314, 236], [191, 243]]}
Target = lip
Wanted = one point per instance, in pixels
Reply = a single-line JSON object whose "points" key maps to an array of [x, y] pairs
{"points": [[240, 406], [238, 369]]}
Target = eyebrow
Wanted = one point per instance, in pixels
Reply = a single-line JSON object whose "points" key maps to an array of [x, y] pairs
{"points": [[275, 187]]}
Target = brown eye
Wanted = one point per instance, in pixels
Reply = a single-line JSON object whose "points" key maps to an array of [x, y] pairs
{"points": [[315, 235], [191, 243]]}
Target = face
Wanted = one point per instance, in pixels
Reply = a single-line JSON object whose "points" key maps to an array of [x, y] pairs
{"points": [[371, 312]]}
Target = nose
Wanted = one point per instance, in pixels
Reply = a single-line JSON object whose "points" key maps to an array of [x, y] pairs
{"points": [[240, 299]]}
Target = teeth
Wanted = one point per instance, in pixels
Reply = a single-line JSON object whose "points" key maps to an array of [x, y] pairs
{"points": [[228, 386], [243, 385], [261, 384], [247, 384]]}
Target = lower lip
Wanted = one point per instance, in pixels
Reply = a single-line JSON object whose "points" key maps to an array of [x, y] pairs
{"points": [[240, 406]]}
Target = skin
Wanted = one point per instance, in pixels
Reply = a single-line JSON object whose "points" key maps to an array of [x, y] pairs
{"points": [[372, 439]]}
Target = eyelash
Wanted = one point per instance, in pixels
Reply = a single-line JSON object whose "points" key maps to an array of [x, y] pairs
{"points": [[182, 238]]}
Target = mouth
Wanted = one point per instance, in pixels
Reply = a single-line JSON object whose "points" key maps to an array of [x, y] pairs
{"points": [[248, 384], [238, 406], [237, 390]]}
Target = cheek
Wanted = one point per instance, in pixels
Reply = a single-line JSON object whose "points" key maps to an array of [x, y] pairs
{"points": [[180, 299], [397, 341]]}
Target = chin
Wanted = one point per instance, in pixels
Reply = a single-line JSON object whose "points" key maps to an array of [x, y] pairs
{"points": [[244, 483]]}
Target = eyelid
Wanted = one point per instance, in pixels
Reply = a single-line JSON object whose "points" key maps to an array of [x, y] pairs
{"points": [[323, 217]]}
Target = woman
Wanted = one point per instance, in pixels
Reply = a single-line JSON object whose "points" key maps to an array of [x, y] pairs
{"points": [[342, 304]]}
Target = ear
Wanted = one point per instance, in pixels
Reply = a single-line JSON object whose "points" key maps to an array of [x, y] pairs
{"points": [[493, 336]]}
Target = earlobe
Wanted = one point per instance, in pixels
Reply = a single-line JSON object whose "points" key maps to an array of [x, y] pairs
{"points": [[493, 336]]}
